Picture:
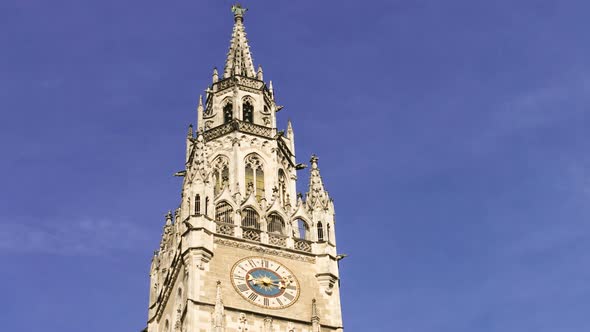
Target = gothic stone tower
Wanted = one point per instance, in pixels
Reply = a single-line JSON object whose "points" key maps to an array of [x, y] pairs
{"points": [[244, 252]]}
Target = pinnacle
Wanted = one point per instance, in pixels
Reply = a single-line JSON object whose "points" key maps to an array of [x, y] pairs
{"points": [[239, 60]]}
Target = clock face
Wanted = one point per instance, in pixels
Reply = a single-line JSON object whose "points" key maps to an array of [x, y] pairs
{"points": [[265, 283]]}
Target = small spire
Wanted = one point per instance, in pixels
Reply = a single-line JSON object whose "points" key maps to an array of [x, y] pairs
{"points": [[271, 90], [215, 75], [189, 134], [218, 313], [317, 196], [200, 115], [289, 129], [259, 74]]}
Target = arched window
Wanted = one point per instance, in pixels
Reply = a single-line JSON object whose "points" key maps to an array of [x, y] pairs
{"points": [[254, 176], [228, 113], [198, 204], [259, 184], [250, 218], [224, 213], [302, 229], [221, 173], [320, 232], [248, 114], [328, 232], [206, 205], [275, 224]]}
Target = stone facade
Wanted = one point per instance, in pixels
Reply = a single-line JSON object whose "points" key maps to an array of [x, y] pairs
{"points": [[239, 200]]}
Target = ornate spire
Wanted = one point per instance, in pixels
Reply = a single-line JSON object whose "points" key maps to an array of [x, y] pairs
{"points": [[198, 167], [239, 60], [317, 196], [218, 312]]}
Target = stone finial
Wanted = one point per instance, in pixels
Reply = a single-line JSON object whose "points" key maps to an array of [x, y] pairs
{"points": [[215, 75], [200, 111], [259, 73], [271, 90], [289, 129], [169, 218], [189, 134]]}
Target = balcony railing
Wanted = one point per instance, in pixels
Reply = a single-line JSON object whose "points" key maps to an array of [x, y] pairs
{"points": [[254, 234], [303, 245], [251, 234], [237, 125], [225, 229], [277, 239]]}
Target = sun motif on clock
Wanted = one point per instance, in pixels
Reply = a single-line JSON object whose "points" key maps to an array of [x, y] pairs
{"points": [[265, 282]]}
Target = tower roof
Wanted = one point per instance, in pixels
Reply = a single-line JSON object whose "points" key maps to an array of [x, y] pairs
{"points": [[239, 59]]}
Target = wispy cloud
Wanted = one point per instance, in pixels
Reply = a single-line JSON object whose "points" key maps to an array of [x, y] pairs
{"points": [[82, 237], [526, 111]]}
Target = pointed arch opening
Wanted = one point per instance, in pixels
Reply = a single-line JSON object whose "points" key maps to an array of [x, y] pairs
{"points": [[228, 113], [320, 232], [221, 173], [276, 224], [250, 218], [248, 111], [198, 204], [302, 231], [224, 213], [254, 176]]}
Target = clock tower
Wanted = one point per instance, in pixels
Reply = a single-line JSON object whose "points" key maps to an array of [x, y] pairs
{"points": [[244, 251]]}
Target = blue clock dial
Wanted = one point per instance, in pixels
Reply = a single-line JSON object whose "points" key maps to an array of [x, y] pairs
{"points": [[265, 282]]}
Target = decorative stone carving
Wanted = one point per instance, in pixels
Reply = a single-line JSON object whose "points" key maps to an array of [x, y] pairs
{"points": [[263, 250], [268, 324], [243, 323], [290, 327]]}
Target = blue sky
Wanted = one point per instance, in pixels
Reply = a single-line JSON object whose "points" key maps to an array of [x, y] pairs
{"points": [[453, 136]]}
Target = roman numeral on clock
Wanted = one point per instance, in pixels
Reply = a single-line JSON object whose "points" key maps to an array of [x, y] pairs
{"points": [[289, 296], [243, 287], [237, 277], [266, 302], [253, 297], [264, 263], [251, 262], [279, 301]]}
